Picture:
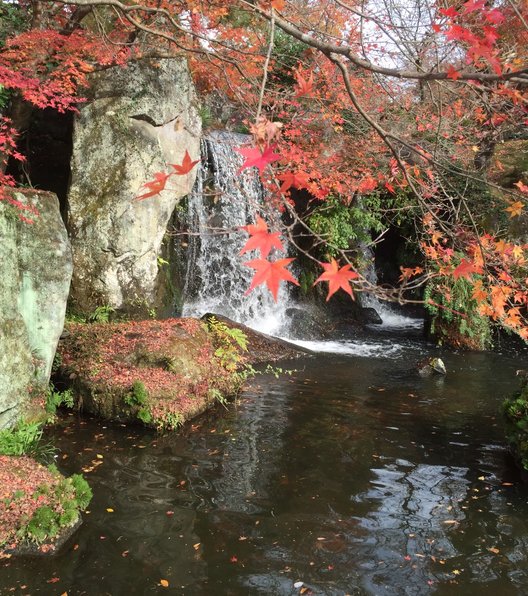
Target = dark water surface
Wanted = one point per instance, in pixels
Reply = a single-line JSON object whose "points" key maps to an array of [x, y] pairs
{"points": [[354, 476]]}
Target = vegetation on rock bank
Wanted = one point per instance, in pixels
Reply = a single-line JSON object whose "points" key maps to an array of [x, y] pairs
{"points": [[38, 506], [161, 373], [515, 411]]}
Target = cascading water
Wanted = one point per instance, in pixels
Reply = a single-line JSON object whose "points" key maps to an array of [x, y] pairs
{"points": [[222, 201], [391, 319]]}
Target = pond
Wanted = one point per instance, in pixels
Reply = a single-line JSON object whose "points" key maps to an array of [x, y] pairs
{"points": [[352, 475]]}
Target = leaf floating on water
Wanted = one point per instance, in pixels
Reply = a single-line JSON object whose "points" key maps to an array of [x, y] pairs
{"points": [[196, 546], [456, 572], [450, 521], [164, 583], [494, 550], [109, 510], [234, 559], [298, 585], [507, 484]]}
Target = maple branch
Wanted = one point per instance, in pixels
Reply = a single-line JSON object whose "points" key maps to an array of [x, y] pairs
{"points": [[519, 76], [266, 64]]}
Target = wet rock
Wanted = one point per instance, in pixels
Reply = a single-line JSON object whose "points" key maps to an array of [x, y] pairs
{"points": [[370, 316], [432, 366]]}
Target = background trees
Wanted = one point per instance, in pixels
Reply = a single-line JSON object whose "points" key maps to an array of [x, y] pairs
{"points": [[382, 115]]}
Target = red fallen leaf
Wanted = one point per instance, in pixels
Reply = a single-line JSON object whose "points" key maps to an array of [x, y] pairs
{"points": [[278, 4], [466, 269], [169, 513], [155, 186], [271, 274], [257, 158], [337, 278], [261, 239], [295, 179], [304, 87], [53, 580], [522, 187], [233, 559], [186, 165], [390, 188], [452, 73]]}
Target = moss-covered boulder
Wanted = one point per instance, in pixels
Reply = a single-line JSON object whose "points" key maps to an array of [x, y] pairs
{"points": [[515, 410], [39, 508], [36, 272], [161, 373]]}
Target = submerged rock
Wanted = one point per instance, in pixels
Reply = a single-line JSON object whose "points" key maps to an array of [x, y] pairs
{"points": [[161, 373], [432, 366]]}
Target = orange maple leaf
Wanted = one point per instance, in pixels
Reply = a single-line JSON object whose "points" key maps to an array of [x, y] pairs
{"points": [[278, 4], [270, 273], [515, 209], [304, 86], [261, 239], [295, 179], [466, 269], [186, 165], [337, 278], [257, 158], [155, 186], [479, 294]]}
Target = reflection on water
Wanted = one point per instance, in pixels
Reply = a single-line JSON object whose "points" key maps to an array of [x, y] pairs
{"points": [[354, 476]]}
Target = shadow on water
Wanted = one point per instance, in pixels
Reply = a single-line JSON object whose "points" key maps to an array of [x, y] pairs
{"points": [[354, 476]]}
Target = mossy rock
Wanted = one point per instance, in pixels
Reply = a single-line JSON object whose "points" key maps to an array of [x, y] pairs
{"points": [[515, 410], [39, 508], [159, 373]]}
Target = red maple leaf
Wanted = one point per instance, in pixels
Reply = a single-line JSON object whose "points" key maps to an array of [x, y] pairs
{"points": [[271, 274], [466, 269], [257, 158], [337, 278], [449, 12], [155, 186], [295, 179], [304, 86], [453, 73], [186, 165], [261, 239]]}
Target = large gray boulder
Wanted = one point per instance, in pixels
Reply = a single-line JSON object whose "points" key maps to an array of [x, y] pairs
{"points": [[138, 119], [36, 272]]}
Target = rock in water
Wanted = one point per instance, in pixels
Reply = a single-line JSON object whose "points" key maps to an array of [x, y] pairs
{"points": [[432, 366]]}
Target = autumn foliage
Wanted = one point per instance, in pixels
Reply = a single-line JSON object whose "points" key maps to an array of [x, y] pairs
{"points": [[353, 104]]}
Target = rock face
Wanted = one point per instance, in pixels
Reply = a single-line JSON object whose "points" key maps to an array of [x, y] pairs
{"points": [[36, 272], [137, 121]]}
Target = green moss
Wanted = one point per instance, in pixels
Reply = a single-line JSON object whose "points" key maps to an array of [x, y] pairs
{"points": [[65, 501], [515, 411]]}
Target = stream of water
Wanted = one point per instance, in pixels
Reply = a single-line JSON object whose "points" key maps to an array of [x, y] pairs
{"points": [[354, 475]]}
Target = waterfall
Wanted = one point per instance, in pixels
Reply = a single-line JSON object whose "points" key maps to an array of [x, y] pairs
{"points": [[391, 318], [221, 202]]}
